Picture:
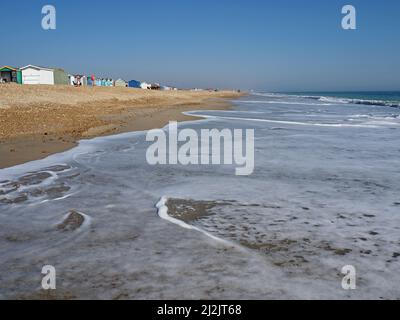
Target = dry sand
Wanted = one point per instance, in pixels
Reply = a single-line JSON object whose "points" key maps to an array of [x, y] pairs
{"points": [[36, 121]]}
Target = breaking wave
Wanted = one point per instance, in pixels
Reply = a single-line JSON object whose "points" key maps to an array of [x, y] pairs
{"points": [[287, 102], [336, 100], [317, 124], [383, 103]]}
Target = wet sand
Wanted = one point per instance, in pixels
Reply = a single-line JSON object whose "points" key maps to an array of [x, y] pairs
{"points": [[283, 252], [36, 121]]}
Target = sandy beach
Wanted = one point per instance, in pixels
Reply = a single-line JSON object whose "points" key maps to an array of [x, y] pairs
{"points": [[36, 121]]}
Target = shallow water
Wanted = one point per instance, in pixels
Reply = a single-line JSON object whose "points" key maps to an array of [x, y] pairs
{"points": [[324, 194]]}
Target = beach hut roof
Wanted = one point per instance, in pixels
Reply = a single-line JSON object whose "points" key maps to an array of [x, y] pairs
{"points": [[9, 68], [36, 67]]}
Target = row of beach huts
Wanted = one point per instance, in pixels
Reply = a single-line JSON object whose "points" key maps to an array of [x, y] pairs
{"points": [[36, 75]]}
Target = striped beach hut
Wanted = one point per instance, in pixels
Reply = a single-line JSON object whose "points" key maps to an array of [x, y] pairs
{"points": [[104, 82]]}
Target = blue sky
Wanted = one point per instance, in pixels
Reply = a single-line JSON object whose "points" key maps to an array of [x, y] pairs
{"points": [[285, 45]]}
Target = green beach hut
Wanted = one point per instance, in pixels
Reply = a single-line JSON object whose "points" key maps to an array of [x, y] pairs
{"points": [[60, 77], [10, 74]]}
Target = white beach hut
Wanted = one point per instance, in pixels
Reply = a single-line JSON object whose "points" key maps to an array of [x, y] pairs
{"points": [[37, 75], [120, 83], [145, 85]]}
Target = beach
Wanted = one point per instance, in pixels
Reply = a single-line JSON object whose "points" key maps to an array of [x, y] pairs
{"points": [[198, 158], [36, 121], [324, 195]]}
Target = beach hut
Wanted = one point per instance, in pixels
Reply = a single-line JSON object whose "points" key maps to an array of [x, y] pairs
{"points": [[104, 82], [10, 74], [84, 80], [121, 83], [37, 75], [78, 80], [155, 86], [145, 85], [91, 80], [134, 84], [60, 76], [40, 75]]}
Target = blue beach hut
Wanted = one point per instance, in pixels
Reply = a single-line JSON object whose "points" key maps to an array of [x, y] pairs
{"points": [[134, 84]]}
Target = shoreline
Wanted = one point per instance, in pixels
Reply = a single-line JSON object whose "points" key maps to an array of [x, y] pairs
{"points": [[33, 135]]}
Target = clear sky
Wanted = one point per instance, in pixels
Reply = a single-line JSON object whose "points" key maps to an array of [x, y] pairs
{"points": [[285, 45]]}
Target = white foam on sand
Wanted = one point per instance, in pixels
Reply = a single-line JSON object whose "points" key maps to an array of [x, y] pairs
{"points": [[84, 147], [335, 125], [163, 214], [288, 102], [56, 199]]}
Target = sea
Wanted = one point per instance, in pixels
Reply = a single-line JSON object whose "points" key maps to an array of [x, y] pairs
{"points": [[324, 198]]}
